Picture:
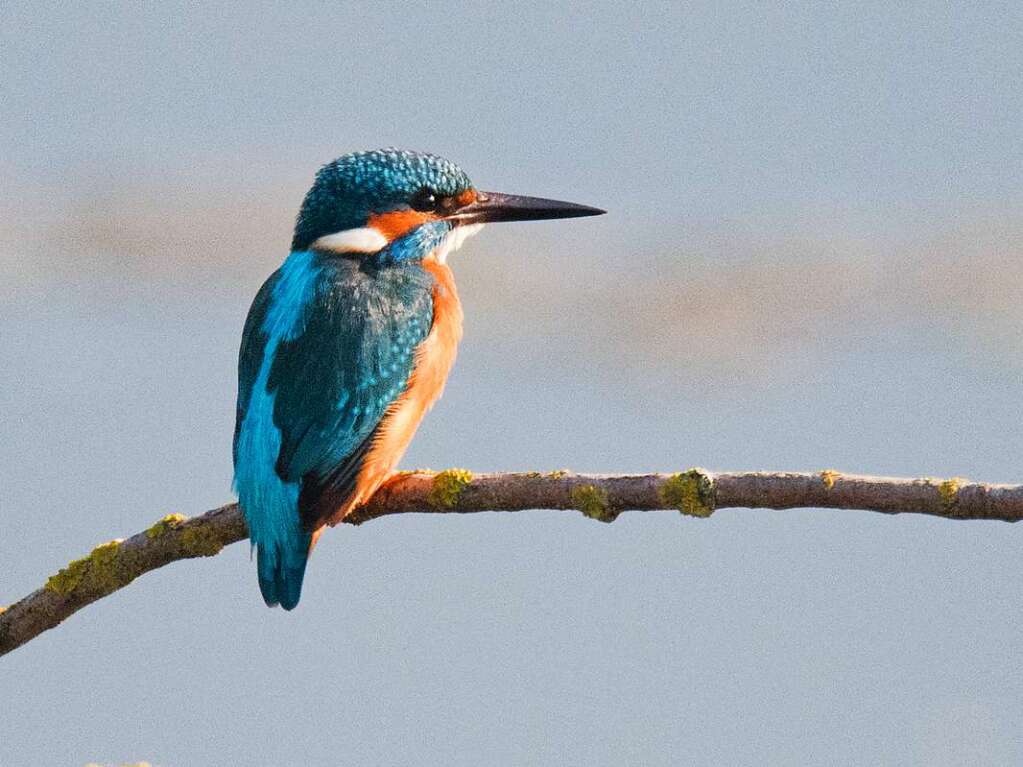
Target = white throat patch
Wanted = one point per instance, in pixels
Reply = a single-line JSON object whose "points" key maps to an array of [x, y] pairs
{"points": [[363, 240], [453, 241], [368, 239]]}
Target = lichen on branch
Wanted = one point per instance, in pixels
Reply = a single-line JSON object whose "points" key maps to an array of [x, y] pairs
{"points": [[694, 492], [691, 492]]}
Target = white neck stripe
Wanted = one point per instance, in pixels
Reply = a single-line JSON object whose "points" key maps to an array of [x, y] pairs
{"points": [[363, 240]]}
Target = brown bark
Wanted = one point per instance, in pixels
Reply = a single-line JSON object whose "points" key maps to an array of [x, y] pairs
{"points": [[696, 492]]}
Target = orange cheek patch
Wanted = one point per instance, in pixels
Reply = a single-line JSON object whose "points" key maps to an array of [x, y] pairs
{"points": [[398, 223]]}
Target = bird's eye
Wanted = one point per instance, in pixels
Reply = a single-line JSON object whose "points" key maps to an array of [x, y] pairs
{"points": [[424, 200]]}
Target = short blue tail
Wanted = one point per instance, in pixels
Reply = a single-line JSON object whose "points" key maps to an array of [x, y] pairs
{"points": [[281, 571]]}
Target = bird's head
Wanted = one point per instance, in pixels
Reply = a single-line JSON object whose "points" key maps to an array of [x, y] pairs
{"points": [[406, 205]]}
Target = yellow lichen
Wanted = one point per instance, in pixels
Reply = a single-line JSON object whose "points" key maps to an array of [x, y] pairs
{"points": [[592, 501], [201, 541], [169, 522], [557, 474], [828, 477], [949, 492], [691, 492], [97, 573], [447, 488]]}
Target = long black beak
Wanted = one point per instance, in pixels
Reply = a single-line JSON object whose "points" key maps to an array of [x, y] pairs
{"points": [[494, 206]]}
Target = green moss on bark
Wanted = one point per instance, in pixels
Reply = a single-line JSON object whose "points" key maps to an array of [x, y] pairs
{"points": [[691, 492], [166, 524], [447, 488], [101, 572], [592, 501], [201, 541]]}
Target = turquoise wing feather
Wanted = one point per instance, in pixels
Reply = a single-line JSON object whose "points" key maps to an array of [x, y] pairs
{"points": [[326, 349]]}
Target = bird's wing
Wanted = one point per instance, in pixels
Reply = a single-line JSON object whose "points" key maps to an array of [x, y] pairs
{"points": [[333, 383], [250, 355]]}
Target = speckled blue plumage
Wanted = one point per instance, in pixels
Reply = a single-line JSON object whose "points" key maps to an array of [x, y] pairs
{"points": [[278, 316], [328, 346], [348, 189]]}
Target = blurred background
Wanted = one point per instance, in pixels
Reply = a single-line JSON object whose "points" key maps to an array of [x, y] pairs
{"points": [[811, 260]]}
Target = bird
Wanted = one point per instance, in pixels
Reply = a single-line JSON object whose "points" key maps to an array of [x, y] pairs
{"points": [[349, 343]]}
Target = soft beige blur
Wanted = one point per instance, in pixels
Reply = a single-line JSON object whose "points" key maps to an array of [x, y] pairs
{"points": [[742, 309]]}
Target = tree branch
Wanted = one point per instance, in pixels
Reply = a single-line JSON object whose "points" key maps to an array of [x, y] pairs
{"points": [[696, 492]]}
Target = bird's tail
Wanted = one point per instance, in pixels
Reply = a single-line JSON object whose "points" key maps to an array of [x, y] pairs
{"points": [[281, 568], [271, 512]]}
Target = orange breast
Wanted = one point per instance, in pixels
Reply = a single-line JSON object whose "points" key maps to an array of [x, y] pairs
{"points": [[433, 361]]}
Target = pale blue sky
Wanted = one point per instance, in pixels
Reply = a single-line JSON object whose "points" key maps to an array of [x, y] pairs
{"points": [[811, 259]]}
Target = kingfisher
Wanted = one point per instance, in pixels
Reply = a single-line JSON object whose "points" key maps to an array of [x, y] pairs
{"points": [[349, 343]]}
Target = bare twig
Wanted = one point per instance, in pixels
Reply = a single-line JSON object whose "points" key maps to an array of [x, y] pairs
{"points": [[695, 492]]}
